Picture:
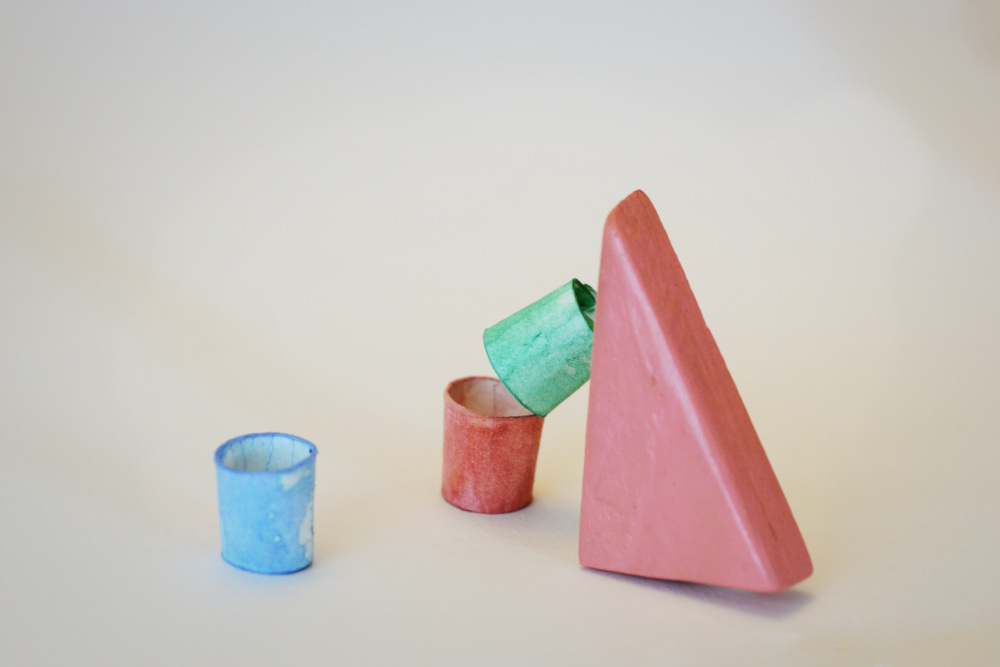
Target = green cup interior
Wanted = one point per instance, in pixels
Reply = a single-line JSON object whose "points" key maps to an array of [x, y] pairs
{"points": [[586, 301]]}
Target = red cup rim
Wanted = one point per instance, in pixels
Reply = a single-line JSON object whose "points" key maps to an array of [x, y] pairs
{"points": [[482, 378]]}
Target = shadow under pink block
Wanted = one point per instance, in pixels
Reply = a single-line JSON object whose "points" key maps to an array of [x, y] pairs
{"points": [[490, 447]]}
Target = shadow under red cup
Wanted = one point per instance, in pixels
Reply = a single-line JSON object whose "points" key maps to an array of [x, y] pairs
{"points": [[490, 447]]}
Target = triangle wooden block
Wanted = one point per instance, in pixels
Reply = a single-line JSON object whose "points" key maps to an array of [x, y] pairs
{"points": [[676, 484]]}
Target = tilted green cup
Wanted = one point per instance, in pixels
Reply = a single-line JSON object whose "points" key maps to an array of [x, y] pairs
{"points": [[542, 352]]}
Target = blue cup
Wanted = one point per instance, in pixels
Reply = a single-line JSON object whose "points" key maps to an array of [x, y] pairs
{"points": [[266, 483]]}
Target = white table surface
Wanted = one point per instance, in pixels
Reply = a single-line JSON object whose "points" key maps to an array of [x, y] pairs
{"points": [[224, 218]]}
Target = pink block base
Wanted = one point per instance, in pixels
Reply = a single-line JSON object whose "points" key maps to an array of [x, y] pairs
{"points": [[676, 483]]}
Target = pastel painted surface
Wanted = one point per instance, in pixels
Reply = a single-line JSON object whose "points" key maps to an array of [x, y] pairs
{"points": [[266, 484], [490, 447], [542, 352], [676, 482]]}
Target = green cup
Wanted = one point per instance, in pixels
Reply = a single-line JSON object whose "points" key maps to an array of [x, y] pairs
{"points": [[542, 352]]}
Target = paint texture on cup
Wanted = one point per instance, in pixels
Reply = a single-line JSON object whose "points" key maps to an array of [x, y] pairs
{"points": [[542, 352], [266, 483], [490, 447]]}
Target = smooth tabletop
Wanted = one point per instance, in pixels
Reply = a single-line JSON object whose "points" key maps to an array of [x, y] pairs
{"points": [[228, 218]]}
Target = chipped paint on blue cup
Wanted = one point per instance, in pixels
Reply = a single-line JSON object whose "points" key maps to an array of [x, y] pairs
{"points": [[266, 483]]}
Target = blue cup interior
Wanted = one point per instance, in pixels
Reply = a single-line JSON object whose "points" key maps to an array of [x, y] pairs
{"points": [[264, 452]]}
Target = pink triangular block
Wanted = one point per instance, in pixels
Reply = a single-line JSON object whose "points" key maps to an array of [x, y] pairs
{"points": [[676, 484]]}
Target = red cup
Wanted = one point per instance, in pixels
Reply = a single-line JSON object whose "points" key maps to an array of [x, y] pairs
{"points": [[490, 447]]}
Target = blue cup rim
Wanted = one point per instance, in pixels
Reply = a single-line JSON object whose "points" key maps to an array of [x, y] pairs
{"points": [[278, 471]]}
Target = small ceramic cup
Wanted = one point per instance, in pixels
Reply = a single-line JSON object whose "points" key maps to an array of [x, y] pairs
{"points": [[265, 483], [490, 447], [542, 352]]}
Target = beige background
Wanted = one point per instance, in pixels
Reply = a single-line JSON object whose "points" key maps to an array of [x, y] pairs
{"points": [[230, 217]]}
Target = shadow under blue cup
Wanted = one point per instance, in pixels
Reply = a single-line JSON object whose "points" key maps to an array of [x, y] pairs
{"points": [[266, 483]]}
